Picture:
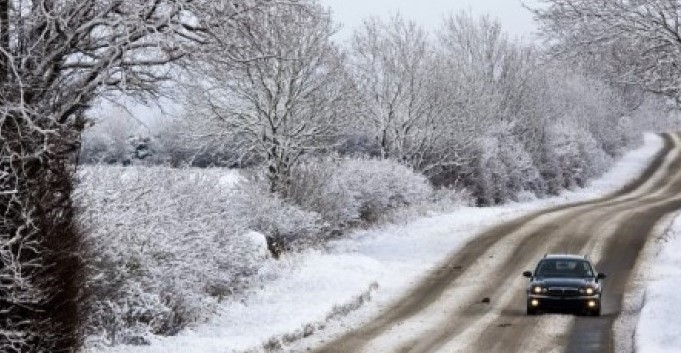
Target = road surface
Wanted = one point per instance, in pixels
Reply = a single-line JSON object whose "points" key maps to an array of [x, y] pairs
{"points": [[446, 311]]}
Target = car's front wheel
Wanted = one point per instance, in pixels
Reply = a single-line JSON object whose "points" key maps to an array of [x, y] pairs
{"points": [[531, 311]]}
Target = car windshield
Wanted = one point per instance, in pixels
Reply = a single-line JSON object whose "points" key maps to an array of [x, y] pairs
{"points": [[564, 268]]}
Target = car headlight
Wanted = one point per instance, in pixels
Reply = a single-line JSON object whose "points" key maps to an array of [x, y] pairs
{"points": [[588, 291], [537, 289]]}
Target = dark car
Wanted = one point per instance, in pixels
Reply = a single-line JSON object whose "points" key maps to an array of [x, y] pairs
{"points": [[564, 282]]}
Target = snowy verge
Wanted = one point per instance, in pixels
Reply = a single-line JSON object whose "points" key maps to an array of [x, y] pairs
{"points": [[381, 263], [657, 330]]}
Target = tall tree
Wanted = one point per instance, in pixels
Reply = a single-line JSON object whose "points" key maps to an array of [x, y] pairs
{"points": [[281, 93], [56, 57], [393, 67]]}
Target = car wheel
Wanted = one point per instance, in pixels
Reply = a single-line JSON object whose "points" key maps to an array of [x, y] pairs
{"points": [[531, 311], [595, 312]]}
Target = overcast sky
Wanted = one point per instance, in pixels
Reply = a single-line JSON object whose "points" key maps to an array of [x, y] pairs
{"points": [[515, 19]]}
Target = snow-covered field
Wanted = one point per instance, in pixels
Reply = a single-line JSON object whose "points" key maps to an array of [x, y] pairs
{"points": [[315, 296], [657, 330]]}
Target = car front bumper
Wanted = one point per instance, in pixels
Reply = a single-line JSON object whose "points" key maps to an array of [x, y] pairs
{"points": [[545, 302]]}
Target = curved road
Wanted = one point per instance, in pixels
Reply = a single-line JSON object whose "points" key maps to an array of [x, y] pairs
{"points": [[446, 313]]}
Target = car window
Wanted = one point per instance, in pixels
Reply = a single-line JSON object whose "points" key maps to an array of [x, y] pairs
{"points": [[563, 268]]}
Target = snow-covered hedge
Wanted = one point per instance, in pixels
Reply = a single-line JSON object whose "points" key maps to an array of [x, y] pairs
{"points": [[286, 226], [168, 244], [347, 191], [502, 170], [572, 157], [499, 167]]}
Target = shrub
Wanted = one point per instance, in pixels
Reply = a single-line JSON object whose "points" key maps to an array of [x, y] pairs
{"points": [[348, 191], [502, 170], [285, 226], [571, 157], [167, 245]]}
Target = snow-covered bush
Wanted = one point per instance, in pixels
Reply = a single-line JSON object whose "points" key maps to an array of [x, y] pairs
{"points": [[347, 191], [285, 226], [502, 170], [572, 157], [161, 239], [168, 244]]}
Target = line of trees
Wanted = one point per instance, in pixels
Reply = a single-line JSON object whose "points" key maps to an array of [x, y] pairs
{"points": [[465, 105]]}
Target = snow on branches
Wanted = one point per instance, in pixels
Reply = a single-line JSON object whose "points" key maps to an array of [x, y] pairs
{"points": [[632, 42], [56, 57], [281, 93], [166, 246]]}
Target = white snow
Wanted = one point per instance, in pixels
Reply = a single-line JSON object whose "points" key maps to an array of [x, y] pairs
{"points": [[658, 327], [259, 243], [313, 285], [230, 179]]}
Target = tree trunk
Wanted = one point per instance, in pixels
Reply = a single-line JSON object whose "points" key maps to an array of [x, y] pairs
{"points": [[278, 168], [40, 271]]}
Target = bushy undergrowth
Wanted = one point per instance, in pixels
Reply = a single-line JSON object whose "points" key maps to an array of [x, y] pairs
{"points": [[572, 157], [286, 226], [169, 244], [350, 191], [502, 170]]}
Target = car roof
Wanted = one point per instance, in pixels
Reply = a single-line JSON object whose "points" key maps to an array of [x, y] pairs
{"points": [[565, 257]]}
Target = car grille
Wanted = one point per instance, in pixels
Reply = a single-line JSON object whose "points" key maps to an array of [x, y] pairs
{"points": [[563, 292]]}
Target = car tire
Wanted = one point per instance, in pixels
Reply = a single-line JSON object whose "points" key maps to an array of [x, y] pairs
{"points": [[595, 312], [531, 311]]}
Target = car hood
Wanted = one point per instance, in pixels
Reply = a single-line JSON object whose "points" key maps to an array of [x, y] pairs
{"points": [[563, 282]]}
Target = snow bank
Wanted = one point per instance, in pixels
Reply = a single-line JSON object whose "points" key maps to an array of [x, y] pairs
{"points": [[311, 287], [657, 330]]}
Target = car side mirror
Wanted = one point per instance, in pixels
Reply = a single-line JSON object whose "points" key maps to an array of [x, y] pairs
{"points": [[601, 275], [527, 274]]}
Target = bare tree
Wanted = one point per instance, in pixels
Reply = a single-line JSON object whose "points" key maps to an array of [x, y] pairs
{"points": [[56, 56], [281, 93], [393, 67], [630, 42], [493, 78], [427, 103]]}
